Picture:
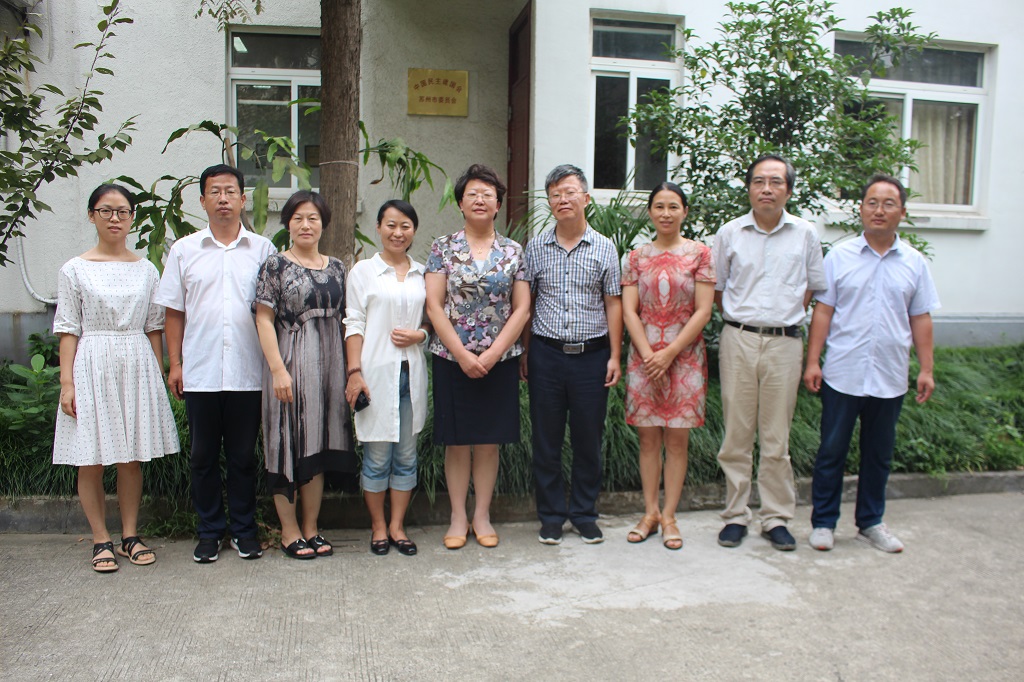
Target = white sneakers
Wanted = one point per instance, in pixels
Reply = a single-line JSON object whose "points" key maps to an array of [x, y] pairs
{"points": [[822, 539], [879, 537]]}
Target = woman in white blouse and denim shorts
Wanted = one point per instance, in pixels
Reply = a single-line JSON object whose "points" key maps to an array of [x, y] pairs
{"points": [[385, 339]]}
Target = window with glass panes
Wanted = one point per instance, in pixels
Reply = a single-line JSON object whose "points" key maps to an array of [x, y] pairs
{"points": [[630, 59], [937, 98], [268, 71]]}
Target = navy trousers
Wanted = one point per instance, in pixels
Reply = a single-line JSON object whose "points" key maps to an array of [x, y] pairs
{"points": [[839, 414], [230, 419], [567, 388]]}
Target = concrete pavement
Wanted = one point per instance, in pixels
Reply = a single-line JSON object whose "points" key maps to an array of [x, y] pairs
{"points": [[950, 607]]}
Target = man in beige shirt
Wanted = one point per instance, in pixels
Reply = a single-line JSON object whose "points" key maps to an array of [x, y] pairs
{"points": [[768, 264]]}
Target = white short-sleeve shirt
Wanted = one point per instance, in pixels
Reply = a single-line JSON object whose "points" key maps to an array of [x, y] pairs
{"points": [[874, 297], [214, 285], [763, 276]]}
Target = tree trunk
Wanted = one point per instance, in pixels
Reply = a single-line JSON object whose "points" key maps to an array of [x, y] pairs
{"points": [[340, 43]]}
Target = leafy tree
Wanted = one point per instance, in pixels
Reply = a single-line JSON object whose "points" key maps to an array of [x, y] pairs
{"points": [[341, 44], [770, 83], [49, 139]]}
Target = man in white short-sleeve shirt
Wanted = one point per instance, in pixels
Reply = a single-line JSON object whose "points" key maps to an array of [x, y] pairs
{"points": [[208, 286], [877, 303], [767, 263]]}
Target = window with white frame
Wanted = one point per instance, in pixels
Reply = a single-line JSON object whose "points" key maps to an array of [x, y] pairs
{"points": [[266, 72], [937, 97], [629, 60]]}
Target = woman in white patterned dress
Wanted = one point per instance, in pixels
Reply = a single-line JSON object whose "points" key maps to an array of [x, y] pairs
{"points": [[113, 401]]}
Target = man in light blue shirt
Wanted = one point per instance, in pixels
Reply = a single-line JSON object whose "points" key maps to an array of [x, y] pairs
{"points": [[877, 303]]}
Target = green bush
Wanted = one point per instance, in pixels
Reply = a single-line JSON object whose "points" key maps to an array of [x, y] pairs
{"points": [[972, 423]]}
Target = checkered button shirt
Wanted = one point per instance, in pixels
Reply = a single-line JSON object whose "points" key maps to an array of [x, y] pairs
{"points": [[570, 286]]}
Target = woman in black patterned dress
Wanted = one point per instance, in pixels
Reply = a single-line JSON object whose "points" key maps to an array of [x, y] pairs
{"points": [[300, 304]]}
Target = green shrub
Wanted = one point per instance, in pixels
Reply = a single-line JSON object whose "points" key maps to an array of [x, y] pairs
{"points": [[972, 423]]}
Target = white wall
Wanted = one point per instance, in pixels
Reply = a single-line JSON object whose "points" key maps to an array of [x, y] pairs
{"points": [[171, 71], [458, 35], [976, 270]]}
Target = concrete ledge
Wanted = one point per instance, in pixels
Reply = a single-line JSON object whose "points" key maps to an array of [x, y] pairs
{"points": [[64, 515]]}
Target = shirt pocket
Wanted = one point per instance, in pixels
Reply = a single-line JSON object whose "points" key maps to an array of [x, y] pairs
{"points": [[790, 269]]}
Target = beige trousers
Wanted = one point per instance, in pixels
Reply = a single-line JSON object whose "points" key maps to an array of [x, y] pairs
{"points": [[760, 377]]}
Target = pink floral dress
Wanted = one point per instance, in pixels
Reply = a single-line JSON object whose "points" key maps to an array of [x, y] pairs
{"points": [[666, 282]]}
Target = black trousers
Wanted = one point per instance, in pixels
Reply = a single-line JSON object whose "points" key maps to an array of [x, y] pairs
{"points": [[567, 388], [230, 419]]}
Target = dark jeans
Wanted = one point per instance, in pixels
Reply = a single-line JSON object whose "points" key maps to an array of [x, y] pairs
{"points": [[839, 413], [567, 385], [231, 418]]}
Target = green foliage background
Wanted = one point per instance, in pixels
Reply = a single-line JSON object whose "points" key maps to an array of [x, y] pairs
{"points": [[972, 423]]}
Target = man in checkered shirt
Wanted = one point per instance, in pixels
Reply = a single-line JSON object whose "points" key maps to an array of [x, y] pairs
{"points": [[574, 348]]}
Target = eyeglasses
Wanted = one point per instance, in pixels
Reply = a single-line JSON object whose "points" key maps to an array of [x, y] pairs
{"points": [[122, 213], [775, 183], [486, 196], [888, 205], [230, 192], [568, 196]]}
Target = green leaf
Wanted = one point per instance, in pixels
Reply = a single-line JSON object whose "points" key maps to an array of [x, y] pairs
{"points": [[260, 204]]}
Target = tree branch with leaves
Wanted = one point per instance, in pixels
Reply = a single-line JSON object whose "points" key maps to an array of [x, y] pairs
{"points": [[44, 151], [770, 82]]}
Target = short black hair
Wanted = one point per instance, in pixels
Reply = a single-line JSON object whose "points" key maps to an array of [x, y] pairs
{"points": [[671, 187], [559, 173], [304, 196], [790, 171], [107, 188], [885, 177], [403, 207], [221, 169], [479, 171]]}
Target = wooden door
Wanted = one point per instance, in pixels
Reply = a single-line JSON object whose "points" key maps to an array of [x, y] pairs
{"points": [[519, 116]]}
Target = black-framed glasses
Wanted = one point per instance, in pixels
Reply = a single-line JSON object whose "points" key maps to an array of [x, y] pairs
{"points": [[122, 213]]}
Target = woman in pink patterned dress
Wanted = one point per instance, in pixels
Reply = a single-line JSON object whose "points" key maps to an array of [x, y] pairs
{"points": [[668, 288]]}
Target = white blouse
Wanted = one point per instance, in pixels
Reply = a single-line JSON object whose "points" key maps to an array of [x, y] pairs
{"points": [[376, 303]]}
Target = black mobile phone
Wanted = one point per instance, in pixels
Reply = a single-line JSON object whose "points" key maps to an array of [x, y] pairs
{"points": [[362, 402]]}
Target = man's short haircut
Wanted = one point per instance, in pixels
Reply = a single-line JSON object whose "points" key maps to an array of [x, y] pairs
{"points": [[790, 171], [483, 173], [403, 207], [105, 189], [561, 172], [221, 169], [304, 196], [670, 187], [885, 177]]}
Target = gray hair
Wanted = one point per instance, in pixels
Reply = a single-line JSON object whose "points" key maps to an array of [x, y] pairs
{"points": [[562, 172]]}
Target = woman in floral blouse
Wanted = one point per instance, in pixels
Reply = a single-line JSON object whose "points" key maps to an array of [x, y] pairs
{"points": [[478, 301]]}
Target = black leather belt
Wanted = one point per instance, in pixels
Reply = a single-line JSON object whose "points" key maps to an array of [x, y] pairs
{"points": [[766, 331], [575, 348]]}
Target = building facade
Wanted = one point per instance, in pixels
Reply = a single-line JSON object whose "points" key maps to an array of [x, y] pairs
{"points": [[546, 81]]}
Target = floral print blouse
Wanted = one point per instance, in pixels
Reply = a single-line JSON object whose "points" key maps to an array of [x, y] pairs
{"points": [[478, 301]]}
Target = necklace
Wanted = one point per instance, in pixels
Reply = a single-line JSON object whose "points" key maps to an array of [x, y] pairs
{"points": [[296, 258], [481, 250]]}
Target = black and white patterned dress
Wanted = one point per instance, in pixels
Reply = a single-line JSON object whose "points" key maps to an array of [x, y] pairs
{"points": [[313, 434], [124, 414]]}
